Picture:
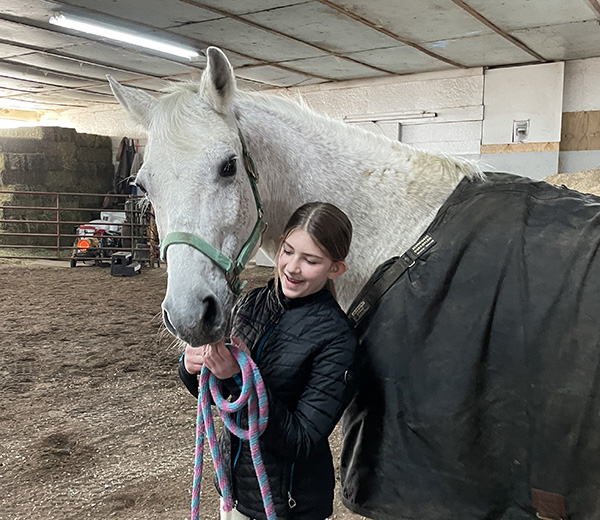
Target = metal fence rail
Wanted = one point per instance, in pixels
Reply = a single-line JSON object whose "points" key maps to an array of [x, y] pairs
{"points": [[42, 225]]}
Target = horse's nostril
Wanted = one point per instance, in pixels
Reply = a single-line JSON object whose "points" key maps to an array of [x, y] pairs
{"points": [[195, 327], [168, 323], [210, 310]]}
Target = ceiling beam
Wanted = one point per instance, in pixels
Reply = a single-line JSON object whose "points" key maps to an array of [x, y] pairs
{"points": [[382, 30], [15, 94], [143, 76], [94, 81], [496, 29], [53, 87], [91, 82], [595, 6]]}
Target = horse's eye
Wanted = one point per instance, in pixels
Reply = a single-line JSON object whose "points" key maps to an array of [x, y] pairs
{"points": [[229, 167]]}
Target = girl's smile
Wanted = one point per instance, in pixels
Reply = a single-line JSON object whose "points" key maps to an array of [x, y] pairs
{"points": [[303, 267]]}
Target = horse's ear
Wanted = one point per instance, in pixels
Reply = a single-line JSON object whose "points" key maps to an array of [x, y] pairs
{"points": [[218, 80], [137, 102]]}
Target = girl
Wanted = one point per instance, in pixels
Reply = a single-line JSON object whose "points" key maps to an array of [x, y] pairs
{"points": [[304, 346]]}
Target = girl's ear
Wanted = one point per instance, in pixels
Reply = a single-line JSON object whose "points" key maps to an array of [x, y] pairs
{"points": [[337, 269]]}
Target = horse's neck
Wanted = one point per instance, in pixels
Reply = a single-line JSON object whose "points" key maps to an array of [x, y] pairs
{"points": [[390, 192]]}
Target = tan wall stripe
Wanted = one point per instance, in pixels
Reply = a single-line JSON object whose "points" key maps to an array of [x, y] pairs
{"points": [[520, 147], [580, 131]]}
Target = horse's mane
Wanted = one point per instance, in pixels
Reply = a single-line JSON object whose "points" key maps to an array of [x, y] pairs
{"points": [[296, 112]]}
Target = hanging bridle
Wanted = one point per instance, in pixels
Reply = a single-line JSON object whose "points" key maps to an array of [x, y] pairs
{"points": [[232, 268]]}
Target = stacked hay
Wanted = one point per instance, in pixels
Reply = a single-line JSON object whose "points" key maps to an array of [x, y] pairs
{"points": [[585, 181], [51, 160]]}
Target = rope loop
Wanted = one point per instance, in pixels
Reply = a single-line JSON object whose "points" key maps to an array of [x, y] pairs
{"points": [[253, 396]]}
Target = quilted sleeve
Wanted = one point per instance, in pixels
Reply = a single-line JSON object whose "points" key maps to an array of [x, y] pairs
{"points": [[330, 387]]}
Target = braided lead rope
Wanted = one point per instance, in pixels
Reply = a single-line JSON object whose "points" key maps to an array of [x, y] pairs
{"points": [[254, 395]]}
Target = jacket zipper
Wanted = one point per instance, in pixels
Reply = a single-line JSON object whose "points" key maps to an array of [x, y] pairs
{"points": [[291, 501], [263, 340]]}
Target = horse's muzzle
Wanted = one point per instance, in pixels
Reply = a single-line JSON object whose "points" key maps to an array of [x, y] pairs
{"points": [[196, 324]]}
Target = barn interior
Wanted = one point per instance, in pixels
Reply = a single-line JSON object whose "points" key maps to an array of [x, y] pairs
{"points": [[94, 423]]}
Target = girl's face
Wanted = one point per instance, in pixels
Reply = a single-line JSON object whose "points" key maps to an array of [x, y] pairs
{"points": [[303, 267]]}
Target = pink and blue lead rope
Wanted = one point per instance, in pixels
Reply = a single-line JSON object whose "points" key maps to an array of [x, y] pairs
{"points": [[254, 395]]}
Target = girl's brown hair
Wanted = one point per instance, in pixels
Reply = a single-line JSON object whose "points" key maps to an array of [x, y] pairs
{"points": [[327, 225]]}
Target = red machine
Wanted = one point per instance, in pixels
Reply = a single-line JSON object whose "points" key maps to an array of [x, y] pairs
{"points": [[97, 239]]}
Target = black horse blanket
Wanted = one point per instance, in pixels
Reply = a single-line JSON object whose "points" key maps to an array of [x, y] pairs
{"points": [[480, 391]]}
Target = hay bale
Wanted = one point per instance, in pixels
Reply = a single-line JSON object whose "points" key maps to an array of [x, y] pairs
{"points": [[55, 160], [585, 181]]}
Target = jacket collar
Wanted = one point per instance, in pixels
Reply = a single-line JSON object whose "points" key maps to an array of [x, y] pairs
{"points": [[292, 303]]}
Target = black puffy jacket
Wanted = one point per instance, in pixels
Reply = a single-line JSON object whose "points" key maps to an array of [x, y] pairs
{"points": [[305, 349]]}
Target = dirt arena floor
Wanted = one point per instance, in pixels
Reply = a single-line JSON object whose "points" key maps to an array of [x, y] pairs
{"points": [[94, 422]]}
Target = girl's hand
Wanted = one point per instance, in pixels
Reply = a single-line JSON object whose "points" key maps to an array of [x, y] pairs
{"points": [[193, 358], [237, 342], [220, 361]]}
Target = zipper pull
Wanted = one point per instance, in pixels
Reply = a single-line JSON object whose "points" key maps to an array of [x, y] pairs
{"points": [[291, 501]]}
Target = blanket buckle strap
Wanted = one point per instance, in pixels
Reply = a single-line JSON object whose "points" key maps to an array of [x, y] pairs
{"points": [[377, 287]]}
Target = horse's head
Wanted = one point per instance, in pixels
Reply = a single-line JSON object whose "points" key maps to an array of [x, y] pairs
{"points": [[194, 174]]}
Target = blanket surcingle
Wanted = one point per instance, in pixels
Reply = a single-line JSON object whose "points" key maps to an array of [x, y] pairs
{"points": [[480, 390]]}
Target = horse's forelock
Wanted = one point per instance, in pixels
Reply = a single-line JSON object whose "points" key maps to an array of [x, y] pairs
{"points": [[177, 114]]}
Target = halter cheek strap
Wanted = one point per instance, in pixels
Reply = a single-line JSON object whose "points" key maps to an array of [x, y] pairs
{"points": [[231, 268]]}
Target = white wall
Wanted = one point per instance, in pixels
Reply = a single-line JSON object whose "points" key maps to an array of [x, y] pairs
{"points": [[535, 165], [456, 96], [582, 85], [472, 107], [110, 120], [533, 94]]}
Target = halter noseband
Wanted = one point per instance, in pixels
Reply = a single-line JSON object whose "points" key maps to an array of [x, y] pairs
{"points": [[231, 268]]}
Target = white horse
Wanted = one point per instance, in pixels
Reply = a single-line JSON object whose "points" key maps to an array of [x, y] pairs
{"points": [[199, 180], [390, 191]]}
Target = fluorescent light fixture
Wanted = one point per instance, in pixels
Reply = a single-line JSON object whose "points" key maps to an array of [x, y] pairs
{"points": [[389, 117], [70, 22]]}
